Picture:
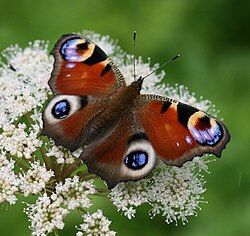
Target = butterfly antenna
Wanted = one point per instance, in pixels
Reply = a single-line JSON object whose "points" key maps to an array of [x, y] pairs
{"points": [[164, 64], [134, 39]]}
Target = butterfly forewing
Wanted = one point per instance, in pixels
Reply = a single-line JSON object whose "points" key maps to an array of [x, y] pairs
{"points": [[82, 68], [179, 132]]}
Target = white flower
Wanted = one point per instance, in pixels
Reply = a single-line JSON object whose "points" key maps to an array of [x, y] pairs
{"points": [[37, 122], [126, 195], [62, 155], [172, 192], [35, 179], [23, 80], [95, 224], [8, 180], [75, 192], [46, 215], [176, 192], [18, 142]]}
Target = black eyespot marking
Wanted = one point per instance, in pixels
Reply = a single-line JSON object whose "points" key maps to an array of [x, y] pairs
{"points": [[138, 136], [82, 46], [136, 160], [61, 109], [97, 56], [84, 101], [204, 122], [106, 69], [165, 106], [184, 113]]}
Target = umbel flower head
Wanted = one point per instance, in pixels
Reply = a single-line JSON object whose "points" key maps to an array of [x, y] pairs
{"points": [[31, 164]]}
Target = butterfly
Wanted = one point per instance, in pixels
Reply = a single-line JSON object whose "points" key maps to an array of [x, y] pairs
{"points": [[122, 132]]}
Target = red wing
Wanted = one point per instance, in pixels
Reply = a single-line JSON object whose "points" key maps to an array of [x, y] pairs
{"points": [[178, 132], [65, 118], [82, 68], [124, 155]]}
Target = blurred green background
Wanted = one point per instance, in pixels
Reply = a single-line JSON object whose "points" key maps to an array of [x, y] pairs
{"points": [[214, 40]]}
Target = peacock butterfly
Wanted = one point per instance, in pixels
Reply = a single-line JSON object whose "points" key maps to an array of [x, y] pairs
{"points": [[122, 132]]}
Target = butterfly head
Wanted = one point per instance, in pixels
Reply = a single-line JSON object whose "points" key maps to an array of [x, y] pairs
{"points": [[137, 84]]}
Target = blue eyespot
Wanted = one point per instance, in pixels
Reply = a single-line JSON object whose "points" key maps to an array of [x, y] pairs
{"points": [[209, 136], [72, 49], [61, 109], [136, 160]]}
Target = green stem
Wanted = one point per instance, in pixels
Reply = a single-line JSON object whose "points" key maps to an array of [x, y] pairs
{"points": [[83, 174], [27, 115], [68, 171], [82, 210], [56, 232], [99, 190], [18, 161], [101, 195], [21, 165], [90, 176], [44, 157]]}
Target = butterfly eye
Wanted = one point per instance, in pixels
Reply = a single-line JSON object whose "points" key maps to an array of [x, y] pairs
{"points": [[77, 49], [61, 109], [206, 130], [62, 106], [140, 157], [136, 160]]}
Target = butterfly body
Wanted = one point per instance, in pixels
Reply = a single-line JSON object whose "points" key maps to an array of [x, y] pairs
{"points": [[120, 130], [114, 109]]}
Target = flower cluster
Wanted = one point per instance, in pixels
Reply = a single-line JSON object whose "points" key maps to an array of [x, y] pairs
{"points": [[75, 193], [173, 192], [62, 155], [23, 80], [17, 141], [33, 165], [34, 179], [8, 180], [49, 211], [46, 215], [95, 224]]}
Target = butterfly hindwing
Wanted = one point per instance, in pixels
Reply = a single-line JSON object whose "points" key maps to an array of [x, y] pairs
{"points": [[125, 155], [179, 132], [82, 68], [65, 118]]}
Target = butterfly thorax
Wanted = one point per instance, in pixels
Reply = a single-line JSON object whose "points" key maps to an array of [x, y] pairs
{"points": [[105, 122]]}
